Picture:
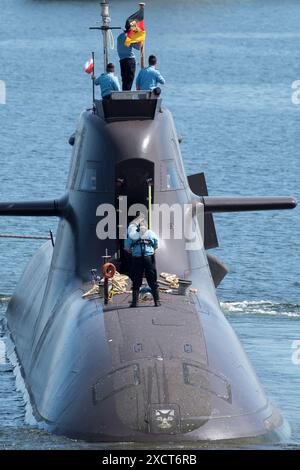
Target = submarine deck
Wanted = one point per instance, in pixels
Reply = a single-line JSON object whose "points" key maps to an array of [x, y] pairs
{"points": [[141, 332], [173, 302]]}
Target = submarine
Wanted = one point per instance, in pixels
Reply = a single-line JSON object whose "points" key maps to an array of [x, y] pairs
{"points": [[96, 369]]}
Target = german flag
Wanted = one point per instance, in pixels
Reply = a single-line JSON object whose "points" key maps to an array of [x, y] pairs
{"points": [[135, 28]]}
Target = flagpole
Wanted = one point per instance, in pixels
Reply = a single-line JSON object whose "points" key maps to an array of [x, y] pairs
{"points": [[142, 7], [93, 79]]}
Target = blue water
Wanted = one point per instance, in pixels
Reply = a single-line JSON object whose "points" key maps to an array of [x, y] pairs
{"points": [[229, 66]]}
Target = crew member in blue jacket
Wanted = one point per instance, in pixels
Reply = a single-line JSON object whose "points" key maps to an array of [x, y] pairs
{"points": [[142, 244], [127, 61], [108, 82], [149, 78]]}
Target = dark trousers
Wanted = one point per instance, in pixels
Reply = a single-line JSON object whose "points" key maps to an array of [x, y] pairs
{"points": [[127, 73], [141, 265]]}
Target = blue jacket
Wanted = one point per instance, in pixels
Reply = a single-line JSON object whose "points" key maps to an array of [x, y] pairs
{"points": [[108, 82], [125, 52], [149, 78], [137, 247]]}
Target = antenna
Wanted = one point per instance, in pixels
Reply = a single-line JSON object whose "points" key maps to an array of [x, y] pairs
{"points": [[105, 29]]}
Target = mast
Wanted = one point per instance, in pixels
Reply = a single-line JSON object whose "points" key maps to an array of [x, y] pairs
{"points": [[105, 30]]}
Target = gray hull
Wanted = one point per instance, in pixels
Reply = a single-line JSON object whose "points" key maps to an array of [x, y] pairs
{"points": [[172, 373], [102, 375]]}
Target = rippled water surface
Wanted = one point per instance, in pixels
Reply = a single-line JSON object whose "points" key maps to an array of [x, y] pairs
{"points": [[229, 67]]}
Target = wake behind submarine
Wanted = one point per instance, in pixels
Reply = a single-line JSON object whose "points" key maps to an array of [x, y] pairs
{"points": [[93, 367]]}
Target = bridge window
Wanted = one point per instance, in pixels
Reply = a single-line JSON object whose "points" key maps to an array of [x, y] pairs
{"points": [[169, 176], [93, 178], [89, 180]]}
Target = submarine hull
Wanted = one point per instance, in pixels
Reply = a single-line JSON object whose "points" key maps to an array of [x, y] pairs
{"points": [[146, 375], [112, 373]]}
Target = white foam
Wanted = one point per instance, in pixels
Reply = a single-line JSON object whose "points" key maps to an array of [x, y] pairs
{"points": [[2, 352], [20, 384], [261, 307]]}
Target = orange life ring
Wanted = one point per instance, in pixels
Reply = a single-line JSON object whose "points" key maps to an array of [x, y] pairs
{"points": [[108, 270]]}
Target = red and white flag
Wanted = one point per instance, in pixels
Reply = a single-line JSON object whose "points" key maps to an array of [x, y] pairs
{"points": [[89, 66]]}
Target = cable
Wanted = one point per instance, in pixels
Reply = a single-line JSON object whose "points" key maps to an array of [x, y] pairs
{"points": [[26, 237]]}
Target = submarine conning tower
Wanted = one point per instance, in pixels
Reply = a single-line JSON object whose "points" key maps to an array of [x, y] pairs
{"points": [[119, 146], [125, 143]]}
